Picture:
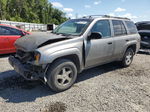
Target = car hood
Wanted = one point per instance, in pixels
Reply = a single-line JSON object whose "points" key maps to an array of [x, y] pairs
{"points": [[36, 40]]}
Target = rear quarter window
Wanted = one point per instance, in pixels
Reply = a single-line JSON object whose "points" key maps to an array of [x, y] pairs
{"points": [[131, 27]]}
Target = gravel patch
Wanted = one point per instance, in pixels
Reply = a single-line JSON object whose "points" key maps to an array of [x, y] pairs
{"points": [[107, 88]]}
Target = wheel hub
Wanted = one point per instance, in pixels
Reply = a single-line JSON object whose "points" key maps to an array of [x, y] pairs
{"points": [[128, 58], [64, 77]]}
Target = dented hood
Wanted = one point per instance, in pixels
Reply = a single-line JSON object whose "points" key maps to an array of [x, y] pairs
{"points": [[36, 40]]}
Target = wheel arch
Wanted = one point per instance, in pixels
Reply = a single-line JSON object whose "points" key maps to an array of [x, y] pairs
{"points": [[72, 57], [133, 46]]}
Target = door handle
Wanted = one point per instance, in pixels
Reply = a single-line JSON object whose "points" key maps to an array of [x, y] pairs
{"points": [[127, 40], [110, 43]]}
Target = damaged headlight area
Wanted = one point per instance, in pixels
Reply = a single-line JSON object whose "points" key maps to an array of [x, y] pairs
{"points": [[28, 57], [37, 56]]}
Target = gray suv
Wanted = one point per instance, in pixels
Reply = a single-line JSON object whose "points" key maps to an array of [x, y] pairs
{"points": [[74, 46]]}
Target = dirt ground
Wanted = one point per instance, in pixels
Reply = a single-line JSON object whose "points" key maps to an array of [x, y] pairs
{"points": [[107, 88]]}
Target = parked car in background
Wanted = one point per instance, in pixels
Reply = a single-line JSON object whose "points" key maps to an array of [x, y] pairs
{"points": [[144, 31], [8, 35], [74, 46]]}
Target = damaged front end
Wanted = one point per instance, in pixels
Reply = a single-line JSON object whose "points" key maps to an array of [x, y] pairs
{"points": [[26, 59], [24, 63]]}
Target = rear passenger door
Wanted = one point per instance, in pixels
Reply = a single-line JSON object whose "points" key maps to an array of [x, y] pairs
{"points": [[120, 38]]}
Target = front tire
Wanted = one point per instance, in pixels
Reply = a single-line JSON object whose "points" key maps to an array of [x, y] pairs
{"points": [[61, 75], [128, 57]]}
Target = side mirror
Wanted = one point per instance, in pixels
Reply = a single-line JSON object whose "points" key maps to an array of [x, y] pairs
{"points": [[23, 33], [95, 35]]}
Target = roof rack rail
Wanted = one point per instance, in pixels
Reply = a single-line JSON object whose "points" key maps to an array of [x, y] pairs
{"points": [[90, 16], [107, 16]]}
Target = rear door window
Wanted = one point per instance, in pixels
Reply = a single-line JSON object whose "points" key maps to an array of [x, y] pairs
{"points": [[4, 30], [131, 27], [119, 28]]}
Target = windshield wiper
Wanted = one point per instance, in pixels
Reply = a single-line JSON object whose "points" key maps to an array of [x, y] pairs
{"points": [[64, 34]]}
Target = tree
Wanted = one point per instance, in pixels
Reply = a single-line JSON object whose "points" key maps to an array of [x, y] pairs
{"points": [[3, 9], [37, 11]]}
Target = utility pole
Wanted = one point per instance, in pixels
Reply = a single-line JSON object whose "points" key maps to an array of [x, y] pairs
{"points": [[44, 10], [14, 12]]}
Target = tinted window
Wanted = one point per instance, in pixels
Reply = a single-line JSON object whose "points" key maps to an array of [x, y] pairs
{"points": [[103, 27], [9, 31], [4, 31], [119, 28], [131, 27], [16, 32]]}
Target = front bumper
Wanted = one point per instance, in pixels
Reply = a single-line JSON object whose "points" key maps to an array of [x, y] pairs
{"points": [[22, 69]]}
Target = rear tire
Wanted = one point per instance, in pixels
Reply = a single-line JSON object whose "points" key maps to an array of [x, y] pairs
{"points": [[61, 75], [128, 57]]}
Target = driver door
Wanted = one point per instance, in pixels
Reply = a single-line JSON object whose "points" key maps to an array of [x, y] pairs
{"points": [[99, 51]]}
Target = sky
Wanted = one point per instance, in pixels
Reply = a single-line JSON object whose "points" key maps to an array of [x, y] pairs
{"points": [[137, 10]]}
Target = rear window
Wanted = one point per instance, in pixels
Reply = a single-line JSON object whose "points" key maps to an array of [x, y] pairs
{"points": [[119, 28], [131, 27]]}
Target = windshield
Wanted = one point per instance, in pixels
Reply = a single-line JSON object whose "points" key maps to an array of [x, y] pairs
{"points": [[73, 27]]}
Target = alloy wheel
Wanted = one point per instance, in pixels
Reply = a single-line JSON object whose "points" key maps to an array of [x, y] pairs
{"points": [[64, 76]]}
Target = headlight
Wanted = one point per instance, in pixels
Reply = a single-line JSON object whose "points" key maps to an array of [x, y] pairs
{"points": [[37, 56]]}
